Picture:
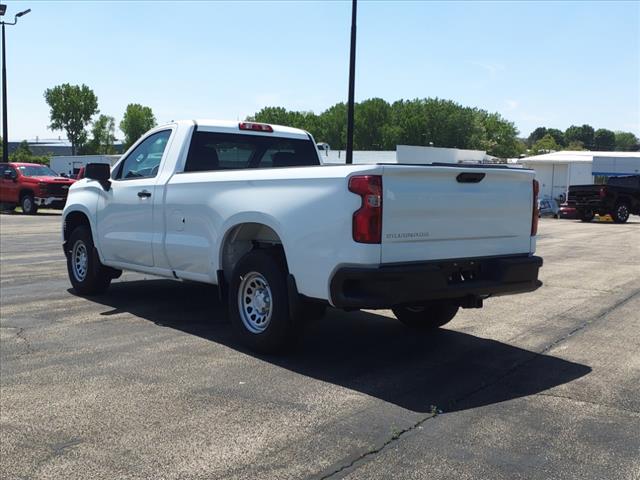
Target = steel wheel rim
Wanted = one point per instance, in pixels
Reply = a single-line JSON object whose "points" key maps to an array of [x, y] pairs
{"points": [[26, 204], [79, 261], [623, 212], [255, 302]]}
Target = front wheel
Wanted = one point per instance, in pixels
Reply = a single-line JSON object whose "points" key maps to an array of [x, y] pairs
{"points": [[259, 302], [428, 315], [87, 274], [621, 213], [586, 215], [28, 205]]}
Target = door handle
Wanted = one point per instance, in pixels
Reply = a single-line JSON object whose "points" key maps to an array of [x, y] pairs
{"points": [[144, 194]]}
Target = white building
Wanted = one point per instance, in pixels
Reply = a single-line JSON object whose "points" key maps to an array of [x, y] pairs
{"points": [[556, 171]]}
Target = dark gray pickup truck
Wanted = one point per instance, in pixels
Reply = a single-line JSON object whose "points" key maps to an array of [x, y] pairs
{"points": [[620, 197]]}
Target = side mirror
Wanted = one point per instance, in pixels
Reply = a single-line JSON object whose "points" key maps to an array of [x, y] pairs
{"points": [[100, 172]]}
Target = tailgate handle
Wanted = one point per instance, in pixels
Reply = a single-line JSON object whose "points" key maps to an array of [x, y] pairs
{"points": [[470, 177]]}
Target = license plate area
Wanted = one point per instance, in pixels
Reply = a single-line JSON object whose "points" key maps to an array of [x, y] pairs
{"points": [[461, 272]]}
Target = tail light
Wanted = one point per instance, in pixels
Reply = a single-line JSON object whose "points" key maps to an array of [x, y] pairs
{"points": [[535, 213], [603, 192], [367, 220]]}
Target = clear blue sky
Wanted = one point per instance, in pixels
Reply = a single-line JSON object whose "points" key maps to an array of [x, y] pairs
{"points": [[538, 63]]}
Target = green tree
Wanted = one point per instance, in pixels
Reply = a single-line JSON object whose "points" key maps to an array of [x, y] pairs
{"points": [[536, 135], [604, 139], [332, 126], [582, 134], [71, 109], [499, 137], [627, 142], [370, 117], [23, 154], [137, 120], [103, 136], [575, 145], [421, 121], [557, 135], [540, 132], [545, 145]]}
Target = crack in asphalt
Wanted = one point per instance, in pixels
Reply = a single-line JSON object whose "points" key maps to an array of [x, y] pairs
{"points": [[20, 334], [590, 321], [394, 438]]}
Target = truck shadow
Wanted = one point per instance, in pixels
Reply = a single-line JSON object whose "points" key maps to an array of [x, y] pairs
{"points": [[369, 353]]}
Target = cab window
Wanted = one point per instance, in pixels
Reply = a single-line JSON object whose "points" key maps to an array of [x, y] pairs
{"points": [[144, 160]]}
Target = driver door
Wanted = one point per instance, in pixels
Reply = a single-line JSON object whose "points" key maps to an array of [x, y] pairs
{"points": [[125, 212], [9, 188]]}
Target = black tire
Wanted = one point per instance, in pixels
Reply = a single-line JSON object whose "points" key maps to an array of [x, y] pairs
{"points": [[427, 316], [268, 332], [621, 213], [97, 277], [7, 207], [586, 215], [28, 204]]}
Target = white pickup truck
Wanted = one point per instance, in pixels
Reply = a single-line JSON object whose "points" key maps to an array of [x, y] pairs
{"points": [[250, 207]]}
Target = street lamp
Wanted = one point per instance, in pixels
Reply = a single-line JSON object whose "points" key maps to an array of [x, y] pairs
{"points": [[5, 134]]}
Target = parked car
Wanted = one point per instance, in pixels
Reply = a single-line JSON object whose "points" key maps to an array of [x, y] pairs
{"points": [[620, 197], [250, 207], [548, 207], [30, 185], [568, 212]]}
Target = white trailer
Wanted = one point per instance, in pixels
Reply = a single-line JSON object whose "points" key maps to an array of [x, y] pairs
{"points": [[70, 165]]}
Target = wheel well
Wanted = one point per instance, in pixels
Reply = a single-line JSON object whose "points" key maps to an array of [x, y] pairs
{"points": [[243, 238], [72, 221]]}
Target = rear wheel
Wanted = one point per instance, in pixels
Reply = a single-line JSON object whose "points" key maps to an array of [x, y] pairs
{"points": [[7, 207], [621, 213], [586, 215], [259, 302], [86, 273], [428, 315], [28, 204]]}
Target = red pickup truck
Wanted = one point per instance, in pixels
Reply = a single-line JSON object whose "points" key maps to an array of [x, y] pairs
{"points": [[31, 185]]}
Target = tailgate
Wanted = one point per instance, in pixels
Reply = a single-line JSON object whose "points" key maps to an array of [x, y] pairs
{"points": [[584, 193], [428, 214]]}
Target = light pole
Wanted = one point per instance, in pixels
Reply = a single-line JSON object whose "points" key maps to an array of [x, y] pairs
{"points": [[352, 81], [5, 130]]}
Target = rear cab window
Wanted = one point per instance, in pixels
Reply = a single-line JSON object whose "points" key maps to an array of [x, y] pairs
{"points": [[210, 151], [629, 182]]}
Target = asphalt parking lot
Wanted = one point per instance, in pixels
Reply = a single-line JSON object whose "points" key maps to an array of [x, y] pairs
{"points": [[146, 380]]}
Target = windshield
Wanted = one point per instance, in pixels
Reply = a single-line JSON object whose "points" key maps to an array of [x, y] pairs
{"points": [[36, 171]]}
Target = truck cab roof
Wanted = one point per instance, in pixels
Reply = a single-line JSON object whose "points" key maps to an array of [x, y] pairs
{"points": [[234, 126]]}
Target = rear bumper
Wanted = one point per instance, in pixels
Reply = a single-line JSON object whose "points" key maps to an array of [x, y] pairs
{"points": [[462, 280]]}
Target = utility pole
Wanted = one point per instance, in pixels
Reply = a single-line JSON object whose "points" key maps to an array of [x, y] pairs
{"points": [[5, 128], [352, 80]]}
